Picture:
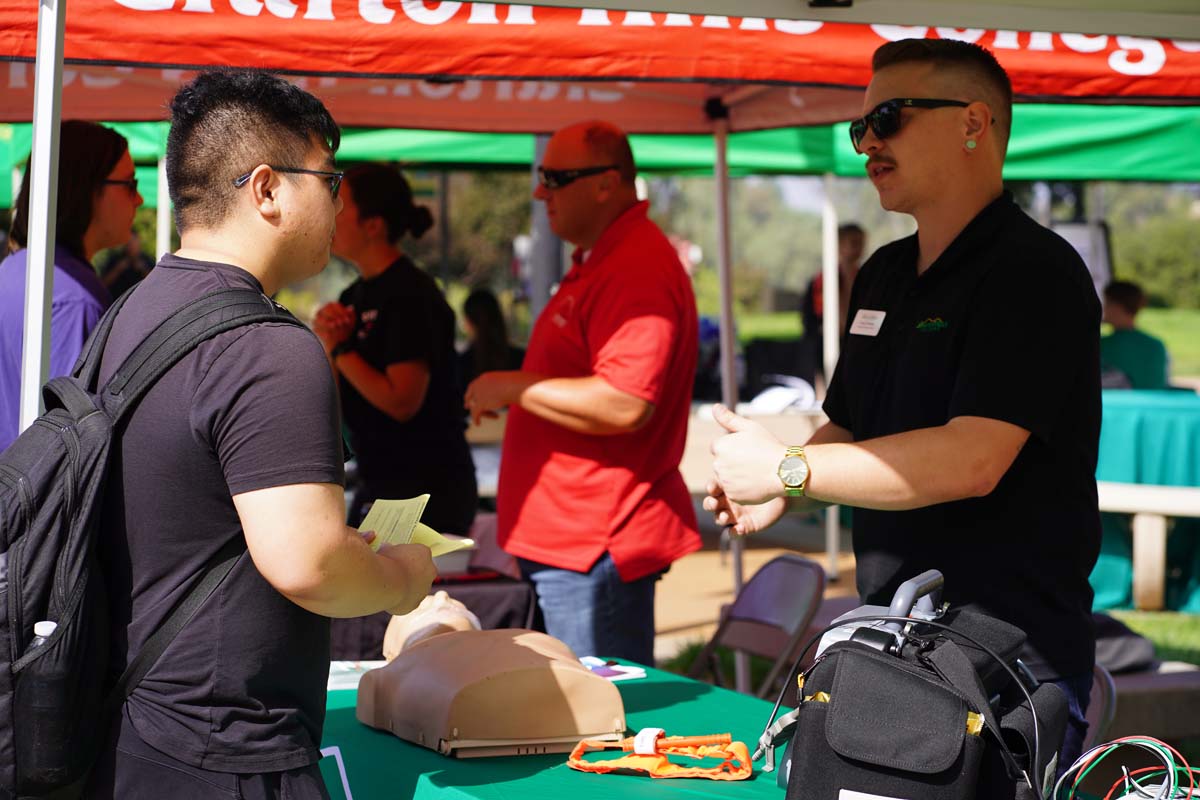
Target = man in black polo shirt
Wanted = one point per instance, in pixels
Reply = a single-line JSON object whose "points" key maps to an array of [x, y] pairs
{"points": [[965, 410], [239, 440]]}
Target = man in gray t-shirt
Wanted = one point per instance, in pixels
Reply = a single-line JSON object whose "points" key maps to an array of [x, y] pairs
{"points": [[239, 439]]}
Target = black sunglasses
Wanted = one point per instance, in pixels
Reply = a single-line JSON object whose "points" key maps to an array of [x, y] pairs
{"points": [[884, 119], [334, 178], [128, 183], [558, 178]]}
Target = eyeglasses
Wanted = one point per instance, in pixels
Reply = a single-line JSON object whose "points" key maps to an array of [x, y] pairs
{"points": [[558, 178], [334, 178], [884, 118], [128, 183]]}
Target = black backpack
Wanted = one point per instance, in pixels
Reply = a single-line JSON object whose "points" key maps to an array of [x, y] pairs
{"points": [[56, 697]]}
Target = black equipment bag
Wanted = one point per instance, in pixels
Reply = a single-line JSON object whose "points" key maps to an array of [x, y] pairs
{"points": [[56, 699], [931, 709]]}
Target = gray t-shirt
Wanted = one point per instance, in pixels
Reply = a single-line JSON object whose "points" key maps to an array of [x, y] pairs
{"points": [[242, 688]]}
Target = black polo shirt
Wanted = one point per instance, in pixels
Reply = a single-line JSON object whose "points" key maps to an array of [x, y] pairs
{"points": [[1004, 325]]}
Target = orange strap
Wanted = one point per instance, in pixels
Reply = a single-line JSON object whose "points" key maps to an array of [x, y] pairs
{"points": [[735, 758]]}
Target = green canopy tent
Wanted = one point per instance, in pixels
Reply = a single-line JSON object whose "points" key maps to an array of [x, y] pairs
{"points": [[1050, 142]]}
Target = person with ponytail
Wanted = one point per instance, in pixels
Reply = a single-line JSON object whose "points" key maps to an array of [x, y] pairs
{"points": [[390, 341]]}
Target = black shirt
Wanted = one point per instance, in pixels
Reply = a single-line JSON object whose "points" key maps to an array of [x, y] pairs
{"points": [[242, 688], [401, 315], [1003, 325]]}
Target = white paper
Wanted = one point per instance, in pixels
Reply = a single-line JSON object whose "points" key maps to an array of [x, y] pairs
{"points": [[393, 520], [846, 794]]}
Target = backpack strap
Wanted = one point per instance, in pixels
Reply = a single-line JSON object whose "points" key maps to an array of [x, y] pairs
{"points": [[214, 572], [179, 334], [87, 366], [955, 668]]}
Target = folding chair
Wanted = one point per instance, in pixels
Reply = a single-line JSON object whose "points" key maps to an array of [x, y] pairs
{"points": [[768, 618], [1102, 707]]}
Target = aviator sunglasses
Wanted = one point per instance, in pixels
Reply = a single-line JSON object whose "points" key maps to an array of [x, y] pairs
{"points": [[884, 119], [334, 179], [558, 178]]}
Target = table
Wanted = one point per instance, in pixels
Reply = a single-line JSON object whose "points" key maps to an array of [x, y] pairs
{"points": [[1147, 438], [379, 765]]}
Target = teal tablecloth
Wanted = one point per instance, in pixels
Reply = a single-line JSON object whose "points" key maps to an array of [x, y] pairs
{"points": [[1149, 437], [381, 766]]}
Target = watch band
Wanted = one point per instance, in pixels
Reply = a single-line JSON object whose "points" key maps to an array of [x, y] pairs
{"points": [[341, 349], [796, 491]]}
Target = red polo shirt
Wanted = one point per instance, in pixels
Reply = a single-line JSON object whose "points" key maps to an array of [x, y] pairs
{"points": [[627, 314]]}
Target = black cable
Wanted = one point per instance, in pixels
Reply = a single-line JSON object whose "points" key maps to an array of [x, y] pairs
{"points": [[1032, 774]]}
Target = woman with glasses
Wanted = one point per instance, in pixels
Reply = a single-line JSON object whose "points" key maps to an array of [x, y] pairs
{"points": [[390, 339], [97, 198]]}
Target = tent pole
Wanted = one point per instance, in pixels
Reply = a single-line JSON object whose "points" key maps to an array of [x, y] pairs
{"points": [[830, 330], [729, 387], [43, 206], [162, 227]]}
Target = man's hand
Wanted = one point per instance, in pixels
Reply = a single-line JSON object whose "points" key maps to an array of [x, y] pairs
{"points": [[743, 519], [746, 460], [492, 391], [333, 324], [417, 564]]}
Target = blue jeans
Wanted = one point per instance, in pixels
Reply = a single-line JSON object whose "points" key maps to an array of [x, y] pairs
{"points": [[595, 612], [1078, 690]]}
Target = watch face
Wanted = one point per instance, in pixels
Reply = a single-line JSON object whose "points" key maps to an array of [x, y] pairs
{"points": [[793, 471]]}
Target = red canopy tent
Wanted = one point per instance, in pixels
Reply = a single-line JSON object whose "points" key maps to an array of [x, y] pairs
{"points": [[485, 67]]}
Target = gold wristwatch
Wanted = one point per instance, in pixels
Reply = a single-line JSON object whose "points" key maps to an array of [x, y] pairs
{"points": [[793, 472]]}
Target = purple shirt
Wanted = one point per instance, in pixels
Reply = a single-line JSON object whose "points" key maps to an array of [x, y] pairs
{"points": [[79, 301]]}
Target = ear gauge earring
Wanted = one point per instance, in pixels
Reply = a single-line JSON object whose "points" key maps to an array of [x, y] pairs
{"points": [[970, 144]]}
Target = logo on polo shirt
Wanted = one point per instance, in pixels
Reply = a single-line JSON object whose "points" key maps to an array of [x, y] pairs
{"points": [[932, 325]]}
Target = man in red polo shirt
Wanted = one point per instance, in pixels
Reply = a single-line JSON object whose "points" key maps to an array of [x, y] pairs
{"points": [[590, 499]]}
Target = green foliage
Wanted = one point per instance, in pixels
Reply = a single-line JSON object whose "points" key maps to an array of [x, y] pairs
{"points": [[487, 209], [1155, 230], [772, 245], [1179, 328], [1176, 636]]}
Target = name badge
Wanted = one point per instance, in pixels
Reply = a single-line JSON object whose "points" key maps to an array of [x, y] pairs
{"points": [[867, 322]]}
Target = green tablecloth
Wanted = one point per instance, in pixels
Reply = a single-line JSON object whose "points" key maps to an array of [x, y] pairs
{"points": [[1149, 437], [379, 765]]}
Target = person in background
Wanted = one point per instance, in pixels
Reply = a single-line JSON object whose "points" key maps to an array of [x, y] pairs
{"points": [[124, 268], [590, 498], [97, 197], [390, 341], [852, 242], [1139, 357], [487, 335], [949, 462]]}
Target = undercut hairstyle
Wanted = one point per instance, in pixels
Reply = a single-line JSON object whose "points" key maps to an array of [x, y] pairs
{"points": [[1126, 294], [608, 145], [967, 67], [380, 190], [225, 123], [87, 155]]}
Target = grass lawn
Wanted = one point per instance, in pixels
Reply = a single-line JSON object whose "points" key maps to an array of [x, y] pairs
{"points": [[1179, 328]]}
